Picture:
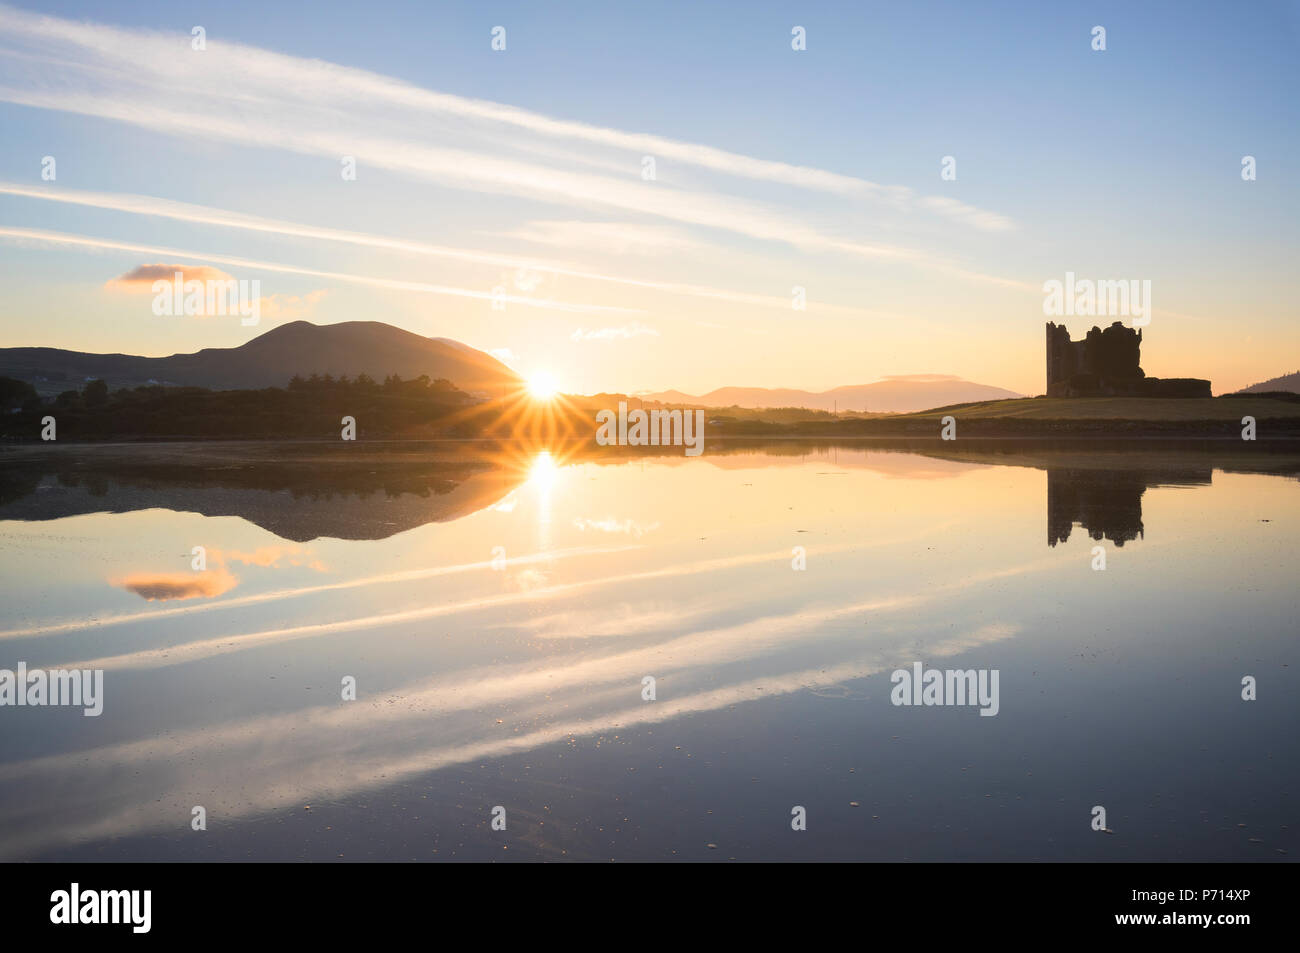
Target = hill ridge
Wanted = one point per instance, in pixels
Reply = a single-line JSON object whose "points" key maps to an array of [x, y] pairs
{"points": [[896, 394], [298, 348], [1289, 382]]}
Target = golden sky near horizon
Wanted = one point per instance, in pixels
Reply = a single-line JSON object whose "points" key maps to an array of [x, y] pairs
{"points": [[623, 228]]}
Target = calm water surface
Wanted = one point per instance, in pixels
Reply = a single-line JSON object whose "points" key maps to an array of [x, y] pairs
{"points": [[499, 612]]}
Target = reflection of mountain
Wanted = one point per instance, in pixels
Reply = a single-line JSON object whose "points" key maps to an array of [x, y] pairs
{"points": [[299, 498], [303, 490], [1106, 503]]}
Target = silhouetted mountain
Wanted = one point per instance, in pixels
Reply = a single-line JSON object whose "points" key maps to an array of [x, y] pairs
{"points": [[270, 360], [1287, 382], [891, 395]]}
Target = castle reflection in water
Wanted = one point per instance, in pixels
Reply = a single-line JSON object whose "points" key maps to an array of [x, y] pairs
{"points": [[301, 492], [1106, 503]]}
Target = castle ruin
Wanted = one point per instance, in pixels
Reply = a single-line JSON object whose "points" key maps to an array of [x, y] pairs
{"points": [[1107, 364]]}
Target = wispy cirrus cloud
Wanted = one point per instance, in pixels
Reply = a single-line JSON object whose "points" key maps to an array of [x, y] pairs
{"points": [[154, 59], [265, 99], [620, 238], [623, 332], [38, 236], [549, 233], [307, 746]]}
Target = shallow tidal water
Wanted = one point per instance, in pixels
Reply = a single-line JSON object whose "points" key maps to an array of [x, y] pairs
{"points": [[500, 612]]}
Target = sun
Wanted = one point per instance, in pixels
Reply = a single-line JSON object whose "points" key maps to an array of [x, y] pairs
{"points": [[542, 470], [542, 386]]}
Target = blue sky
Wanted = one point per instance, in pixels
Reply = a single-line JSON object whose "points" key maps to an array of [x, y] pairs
{"points": [[1123, 164]]}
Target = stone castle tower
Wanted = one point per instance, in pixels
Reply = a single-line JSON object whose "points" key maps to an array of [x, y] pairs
{"points": [[1107, 364]]}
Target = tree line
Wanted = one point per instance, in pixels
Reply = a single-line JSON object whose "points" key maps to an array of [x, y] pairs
{"points": [[310, 407]]}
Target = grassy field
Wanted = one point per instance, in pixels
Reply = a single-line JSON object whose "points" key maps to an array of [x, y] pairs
{"points": [[1278, 417], [1152, 409]]}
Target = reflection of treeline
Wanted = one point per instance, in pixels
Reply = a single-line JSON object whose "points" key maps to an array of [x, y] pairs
{"points": [[722, 415], [308, 407], [928, 424], [16, 484], [343, 479]]}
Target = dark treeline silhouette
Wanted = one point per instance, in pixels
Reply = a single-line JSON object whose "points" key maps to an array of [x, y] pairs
{"points": [[19, 396], [308, 407], [313, 408]]}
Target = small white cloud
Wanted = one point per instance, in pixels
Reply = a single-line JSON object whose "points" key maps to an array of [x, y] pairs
{"points": [[633, 330], [291, 307], [141, 278]]}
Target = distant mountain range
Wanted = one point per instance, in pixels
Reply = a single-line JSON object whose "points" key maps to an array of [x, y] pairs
{"points": [[270, 360], [891, 395], [1287, 382], [378, 350]]}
